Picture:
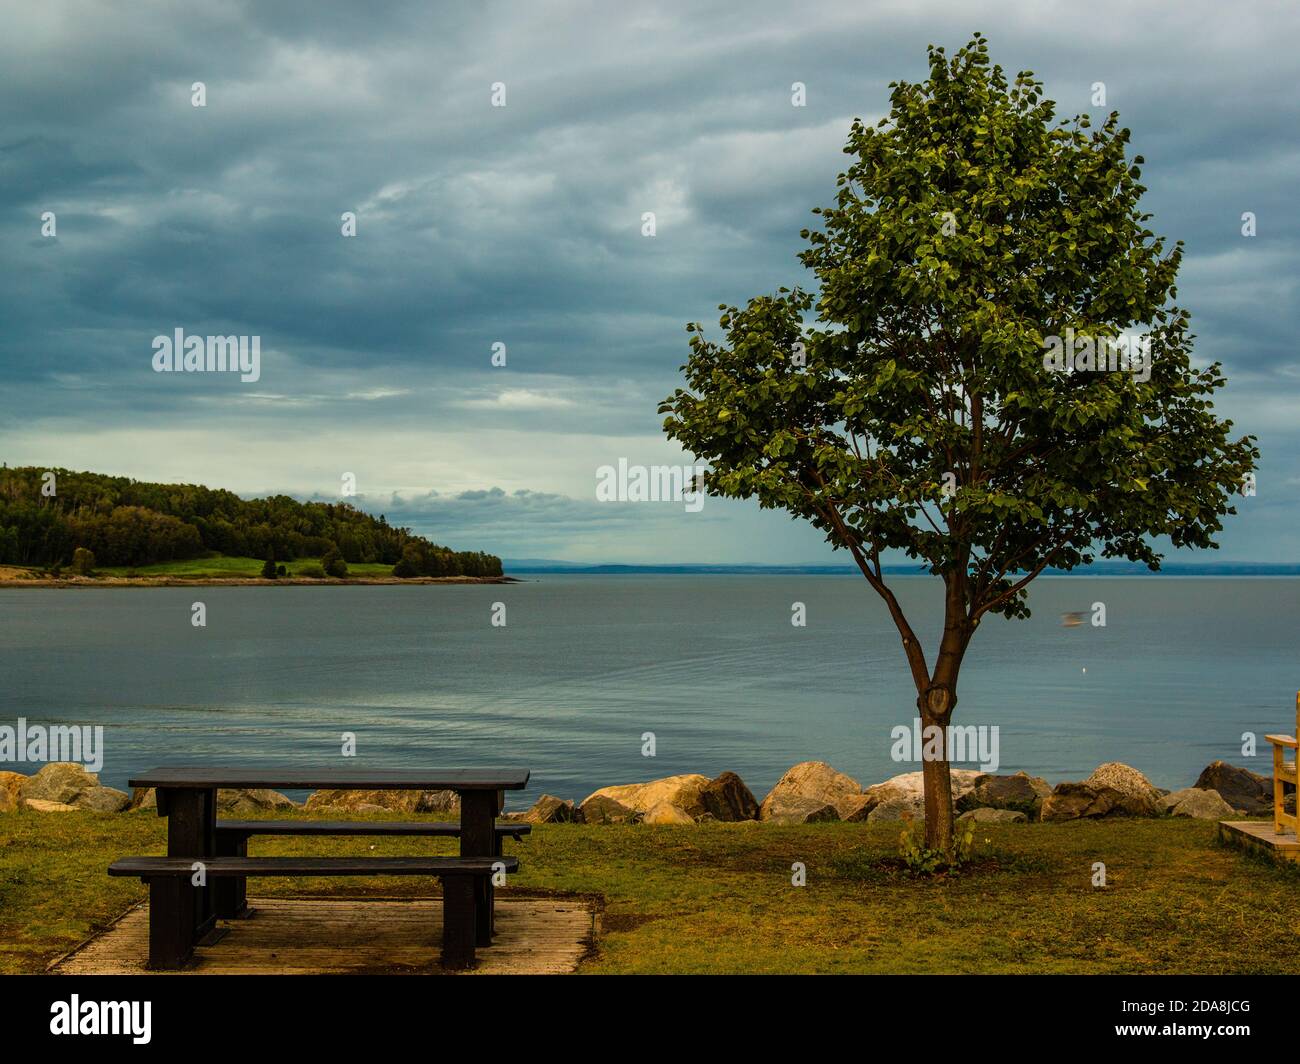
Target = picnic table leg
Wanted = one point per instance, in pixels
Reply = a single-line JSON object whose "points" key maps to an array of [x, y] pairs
{"points": [[229, 894], [171, 922], [478, 810], [191, 832], [458, 923]]}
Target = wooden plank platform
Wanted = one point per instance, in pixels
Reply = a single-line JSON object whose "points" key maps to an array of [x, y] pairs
{"points": [[1259, 836], [317, 936]]}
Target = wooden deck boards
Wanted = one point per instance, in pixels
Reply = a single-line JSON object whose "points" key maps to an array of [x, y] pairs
{"points": [[1259, 835], [317, 936]]}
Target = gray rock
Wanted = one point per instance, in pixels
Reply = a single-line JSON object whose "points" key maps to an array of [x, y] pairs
{"points": [[551, 810], [1020, 792], [727, 798], [898, 807], [814, 780], [1073, 801], [1126, 780], [682, 791], [59, 781], [667, 813], [986, 815], [858, 807], [1201, 804], [796, 809], [40, 805], [241, 801], [1242, 789], [103, 800], [11, 784], [602, 809]]}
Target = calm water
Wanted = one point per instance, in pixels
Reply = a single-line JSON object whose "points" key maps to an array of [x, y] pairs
{"points": [[586, 664]]}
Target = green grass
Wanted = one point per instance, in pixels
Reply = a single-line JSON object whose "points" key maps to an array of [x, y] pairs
{"points": [[718, 897], [215, 568]]}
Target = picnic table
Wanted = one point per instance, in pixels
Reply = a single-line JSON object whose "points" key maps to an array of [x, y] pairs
{"points": [[183, 914]]}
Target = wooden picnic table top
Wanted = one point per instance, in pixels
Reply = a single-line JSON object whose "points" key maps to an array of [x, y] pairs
{"points": [[300, 777]]}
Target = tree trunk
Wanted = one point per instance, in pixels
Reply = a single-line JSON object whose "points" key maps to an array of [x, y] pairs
{"points": [[937, 780], [936, 703]]}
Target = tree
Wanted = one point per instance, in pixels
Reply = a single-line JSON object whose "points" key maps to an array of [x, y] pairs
{"points": [[268, 568], [333, 564], [83, 562], [924, 408]]}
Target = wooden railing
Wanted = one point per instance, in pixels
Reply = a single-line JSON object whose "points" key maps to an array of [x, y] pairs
{"points": [[1284, 772]]}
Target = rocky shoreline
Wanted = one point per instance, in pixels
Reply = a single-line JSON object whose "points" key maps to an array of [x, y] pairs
{"points": [[810, 792]]}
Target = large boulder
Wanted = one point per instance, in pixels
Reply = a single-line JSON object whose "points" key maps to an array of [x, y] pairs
{"points": [[40, 805], [103, 800], [1128, 781], [242, 801], [727, 798], [897, 807], [549, 809], [602, 809], [1242, 789], [682, 791], [1201, 804], [59, 781], [858, 807], [796, 809], [11, 791], [667, 813], [815, 780], [1074, 801], [913, 783], [398, 801], [984, 814], [1022, 793], [903, 797], [68, 783]]}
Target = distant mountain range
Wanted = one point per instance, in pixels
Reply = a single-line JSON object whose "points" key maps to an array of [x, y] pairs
{"points": [[518, 566]]}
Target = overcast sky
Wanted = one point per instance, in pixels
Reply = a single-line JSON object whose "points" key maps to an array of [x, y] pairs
{"points": [[522, 225]]}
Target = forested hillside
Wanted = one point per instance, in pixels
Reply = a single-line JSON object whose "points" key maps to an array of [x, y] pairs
{"points": [[129, 522]]}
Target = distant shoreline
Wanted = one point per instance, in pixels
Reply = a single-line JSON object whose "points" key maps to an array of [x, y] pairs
{"points": [[91, 583], [1244, 569]]}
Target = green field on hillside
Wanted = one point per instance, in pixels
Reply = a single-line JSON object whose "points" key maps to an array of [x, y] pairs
{"points": [[223, 566]]}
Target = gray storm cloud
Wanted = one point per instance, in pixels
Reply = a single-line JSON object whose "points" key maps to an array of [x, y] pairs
{"points": [[521, 225]]}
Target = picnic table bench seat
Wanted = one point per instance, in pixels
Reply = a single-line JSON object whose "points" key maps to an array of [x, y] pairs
{"points": [[441, 829], [171, 894], [230, 896]]}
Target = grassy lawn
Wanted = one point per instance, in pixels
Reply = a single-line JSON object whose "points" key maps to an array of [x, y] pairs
{"points": [[230, 566], [718, 897]]}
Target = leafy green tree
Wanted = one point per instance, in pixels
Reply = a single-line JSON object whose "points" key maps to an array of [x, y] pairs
{"points": [[268, 568], [910, 406], [333, 563], [83, 562]]}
